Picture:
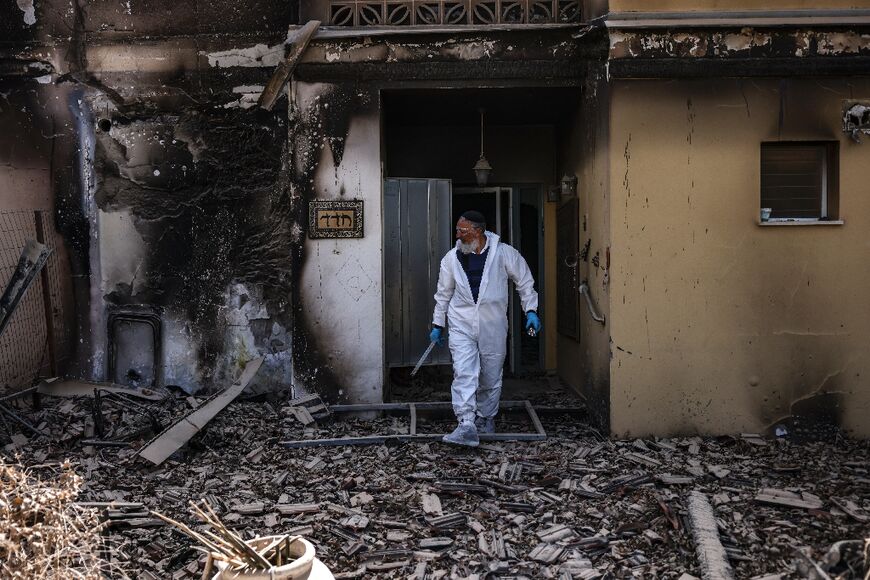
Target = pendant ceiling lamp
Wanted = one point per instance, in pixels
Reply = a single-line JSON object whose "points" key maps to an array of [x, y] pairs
{"points": [[482, 168]]}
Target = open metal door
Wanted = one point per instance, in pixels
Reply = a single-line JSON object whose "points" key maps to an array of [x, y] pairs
{"points": [[417, 233]]}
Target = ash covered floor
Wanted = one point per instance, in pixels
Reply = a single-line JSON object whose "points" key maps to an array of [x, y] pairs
{"points": [[574, 506]]}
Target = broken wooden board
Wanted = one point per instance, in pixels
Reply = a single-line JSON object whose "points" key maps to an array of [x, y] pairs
{"points": [[298, 42], [77, 388], [308, 409], [787, 499], [168, 442], [33, 258]]}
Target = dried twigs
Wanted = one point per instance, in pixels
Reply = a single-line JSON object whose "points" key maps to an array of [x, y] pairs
{"points": [[43, 534], [225, 545]]}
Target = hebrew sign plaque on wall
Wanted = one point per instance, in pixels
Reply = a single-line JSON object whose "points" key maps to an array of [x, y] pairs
{"points": [[335, 219]]}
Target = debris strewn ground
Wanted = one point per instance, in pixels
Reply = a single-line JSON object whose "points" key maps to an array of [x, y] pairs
{"points": [[574, 506]]}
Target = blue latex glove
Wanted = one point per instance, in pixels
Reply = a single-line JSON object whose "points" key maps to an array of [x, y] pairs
{"points": [[532, 321], [437, 335]]}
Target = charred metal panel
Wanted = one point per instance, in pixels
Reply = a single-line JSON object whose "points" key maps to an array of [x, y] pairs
{"points": [[134, 348]]}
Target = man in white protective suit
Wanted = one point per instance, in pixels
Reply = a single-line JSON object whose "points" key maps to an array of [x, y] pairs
{"points": [[472, 301]]}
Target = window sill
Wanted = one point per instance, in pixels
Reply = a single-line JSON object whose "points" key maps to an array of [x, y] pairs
{"points": [[770, 223]]}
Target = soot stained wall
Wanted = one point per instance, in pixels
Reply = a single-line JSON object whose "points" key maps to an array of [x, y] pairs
{"points": [[195, 225]]}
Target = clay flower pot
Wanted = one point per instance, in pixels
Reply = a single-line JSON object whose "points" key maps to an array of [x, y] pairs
{"points": [[305, 567]]}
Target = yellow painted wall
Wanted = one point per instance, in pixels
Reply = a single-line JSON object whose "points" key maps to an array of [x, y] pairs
{"points": [[729, 5], [720, 325]]}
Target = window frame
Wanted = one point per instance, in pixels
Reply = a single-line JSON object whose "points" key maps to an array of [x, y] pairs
{"points": [[829, 206]]}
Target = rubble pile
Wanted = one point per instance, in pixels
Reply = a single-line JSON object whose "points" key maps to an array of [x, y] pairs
{"points": [[575, 505]]}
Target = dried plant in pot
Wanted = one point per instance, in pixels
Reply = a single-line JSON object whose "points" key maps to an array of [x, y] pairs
{"points": [[281, 557], [304, 566]]}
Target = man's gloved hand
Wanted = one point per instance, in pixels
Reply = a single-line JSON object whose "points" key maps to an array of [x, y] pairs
{"points": [[532, 321], [437, 335]]}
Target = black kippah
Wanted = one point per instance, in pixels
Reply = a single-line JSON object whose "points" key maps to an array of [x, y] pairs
{"points": [[474, 216]]}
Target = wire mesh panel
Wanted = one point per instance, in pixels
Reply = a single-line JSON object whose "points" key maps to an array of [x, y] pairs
{"points": [[24, 345], [451, 12]]}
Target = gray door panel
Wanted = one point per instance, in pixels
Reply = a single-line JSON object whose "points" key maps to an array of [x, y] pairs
{"points": [[416, 235]]}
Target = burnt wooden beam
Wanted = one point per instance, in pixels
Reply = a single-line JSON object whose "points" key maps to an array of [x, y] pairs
{"points": [[46, 300], [545, 72], [33, 258], [656, 68], [169, 441], [298, 41]]}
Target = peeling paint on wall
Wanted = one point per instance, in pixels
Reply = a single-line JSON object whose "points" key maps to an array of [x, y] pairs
{"points": [[737, 43], [842, 42], [258, 55], [29, 10], [252, 331], [468, 49], [320, 127], [200, 191], [249, 95]]}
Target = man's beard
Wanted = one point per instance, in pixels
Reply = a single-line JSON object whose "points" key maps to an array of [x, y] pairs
{"points": [[469, 248]]}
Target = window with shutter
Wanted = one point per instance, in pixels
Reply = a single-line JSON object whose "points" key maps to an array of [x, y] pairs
{"points": [[799, 180]]}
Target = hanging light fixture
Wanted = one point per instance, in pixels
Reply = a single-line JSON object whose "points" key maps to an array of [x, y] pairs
{"points": [[482, 168]]}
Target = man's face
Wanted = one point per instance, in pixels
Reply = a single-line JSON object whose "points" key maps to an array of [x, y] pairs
{"points": [[465, 232]]}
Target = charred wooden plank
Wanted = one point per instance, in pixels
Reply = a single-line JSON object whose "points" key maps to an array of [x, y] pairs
{"points": [[298, 41], [170, 440]]}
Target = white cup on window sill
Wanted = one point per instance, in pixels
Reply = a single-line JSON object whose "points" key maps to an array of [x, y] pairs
{"points": [[765, 213]]}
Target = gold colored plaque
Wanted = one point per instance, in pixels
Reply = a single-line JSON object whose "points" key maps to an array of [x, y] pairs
{"points": [[335, 219]]}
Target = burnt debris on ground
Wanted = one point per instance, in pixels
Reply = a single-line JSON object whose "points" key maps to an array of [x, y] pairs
{"points": [[576, 505]]}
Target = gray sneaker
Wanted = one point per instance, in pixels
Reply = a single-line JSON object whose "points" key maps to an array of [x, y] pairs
{"points": [[464, 434], [485, 424]]}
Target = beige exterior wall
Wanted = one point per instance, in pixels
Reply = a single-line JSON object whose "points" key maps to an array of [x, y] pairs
{"points": [[718, 324], [730, 5]]}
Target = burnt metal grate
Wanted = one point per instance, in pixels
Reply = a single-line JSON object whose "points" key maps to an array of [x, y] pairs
{"points": [[452, 12], [412, 409]]}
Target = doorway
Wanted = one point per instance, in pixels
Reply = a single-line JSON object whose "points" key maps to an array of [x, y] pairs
{"points": [[515, 214], [436, 132]]}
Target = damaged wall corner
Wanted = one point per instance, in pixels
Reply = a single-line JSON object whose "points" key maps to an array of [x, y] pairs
{"points": [[337, 332]]}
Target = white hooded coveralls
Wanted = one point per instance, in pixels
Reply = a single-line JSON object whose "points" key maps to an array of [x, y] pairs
{"points": [[478, 331]]}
